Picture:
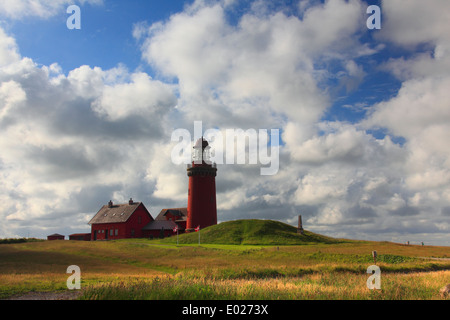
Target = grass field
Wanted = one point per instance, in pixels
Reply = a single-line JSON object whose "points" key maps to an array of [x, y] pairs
{"points": [[319, 268]]}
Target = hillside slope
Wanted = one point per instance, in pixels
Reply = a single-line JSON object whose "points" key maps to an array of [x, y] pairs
{"points": [[252, 232]]}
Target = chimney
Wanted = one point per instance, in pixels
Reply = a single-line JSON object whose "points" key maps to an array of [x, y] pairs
{"points": [[300, 225], [110, 204], [131, 201]]}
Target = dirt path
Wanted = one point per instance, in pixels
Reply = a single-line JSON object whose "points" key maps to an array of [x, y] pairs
{"points": [[64, 295], [431, 258]]}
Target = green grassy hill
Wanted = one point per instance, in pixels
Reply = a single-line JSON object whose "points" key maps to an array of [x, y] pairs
{"points": [[252, 232]]}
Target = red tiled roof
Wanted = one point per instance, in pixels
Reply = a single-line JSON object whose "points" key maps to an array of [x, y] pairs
{"points": [[180, 212]]}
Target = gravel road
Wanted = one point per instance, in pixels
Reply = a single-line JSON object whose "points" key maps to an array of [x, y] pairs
{"points": [[63, 295]]}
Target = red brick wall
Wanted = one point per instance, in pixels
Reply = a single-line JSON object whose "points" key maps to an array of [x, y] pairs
{"points": [[202, 208], [132, 228]]}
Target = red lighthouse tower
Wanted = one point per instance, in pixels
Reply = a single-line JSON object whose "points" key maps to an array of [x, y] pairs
{"points": [[202, 208]]}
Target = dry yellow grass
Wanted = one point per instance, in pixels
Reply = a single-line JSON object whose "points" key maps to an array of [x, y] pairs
{"points": [[344, 286], [125, 269]]}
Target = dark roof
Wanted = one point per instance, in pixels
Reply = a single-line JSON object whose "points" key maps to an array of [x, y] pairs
{"points": [[116, 213], [180, 212], [55, 235], [160, 224], [79, 234]]}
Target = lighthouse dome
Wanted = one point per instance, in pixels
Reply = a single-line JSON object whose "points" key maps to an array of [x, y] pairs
{"points": [[201, 143]]}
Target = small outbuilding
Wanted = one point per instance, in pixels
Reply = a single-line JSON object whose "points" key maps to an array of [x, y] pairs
{"points": [[165, 223], [80, 236], [159, 228], [55, 236]]}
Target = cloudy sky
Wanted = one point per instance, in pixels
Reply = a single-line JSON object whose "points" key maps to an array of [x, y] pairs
{"points": [[364, 115]]}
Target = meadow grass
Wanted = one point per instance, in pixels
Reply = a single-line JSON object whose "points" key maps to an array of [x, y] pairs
{"points": [[154, 269], [314, 286]]}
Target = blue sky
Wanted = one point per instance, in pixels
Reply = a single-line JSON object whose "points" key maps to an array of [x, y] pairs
{"points": [[104, 40], [363, 114]]}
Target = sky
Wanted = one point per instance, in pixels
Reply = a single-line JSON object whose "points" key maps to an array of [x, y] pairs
{"points": [[87, 115]]}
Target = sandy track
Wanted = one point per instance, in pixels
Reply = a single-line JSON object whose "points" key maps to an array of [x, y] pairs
{"points": [[63, 295]]}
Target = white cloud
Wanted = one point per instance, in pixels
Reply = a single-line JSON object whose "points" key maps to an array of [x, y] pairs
{"points": [[420, 112], [61, 157], [8, 49], [329, 215], [346, 145], [96, 134], [267, 60], [161, 171], [11, 94], [412, 22], [421, 103], [318, 188], [141, 96]]}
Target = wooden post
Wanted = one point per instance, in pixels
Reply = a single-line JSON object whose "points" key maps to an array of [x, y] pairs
{"points": [[198, 230]]}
